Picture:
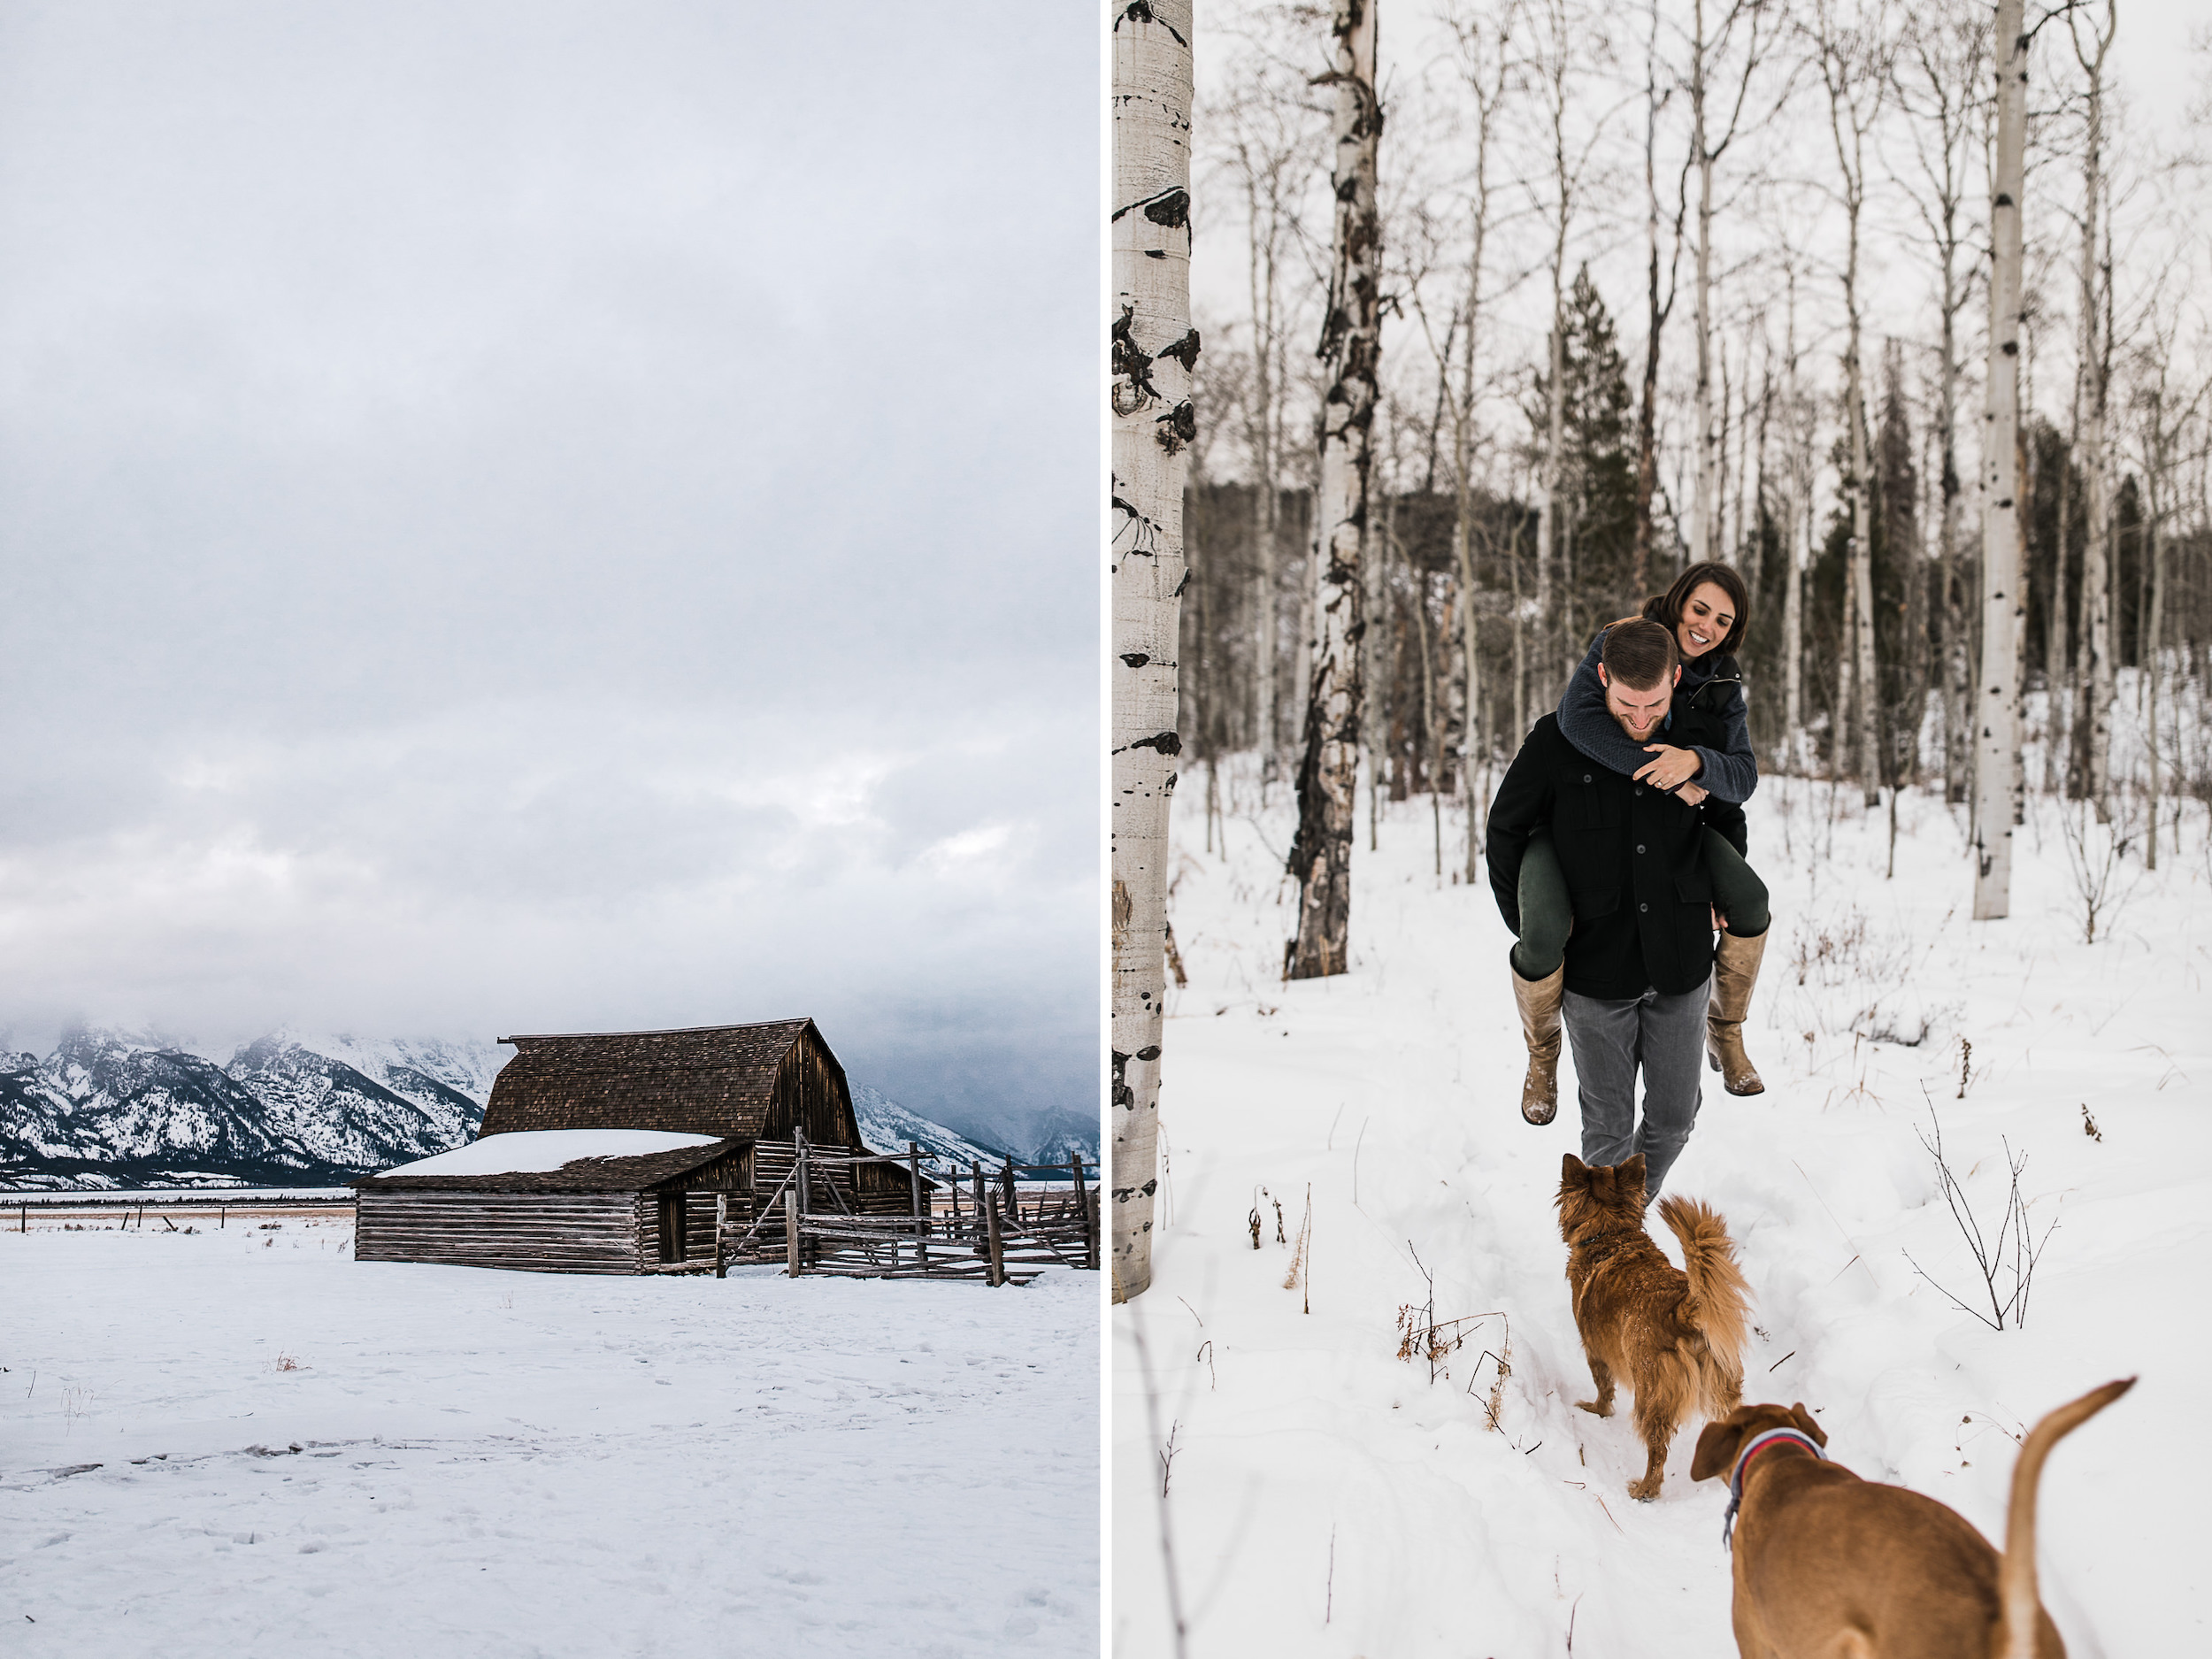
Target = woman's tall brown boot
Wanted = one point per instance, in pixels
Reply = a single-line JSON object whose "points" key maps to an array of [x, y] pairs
{"points": [[1538, 1003], [1735, 972]]}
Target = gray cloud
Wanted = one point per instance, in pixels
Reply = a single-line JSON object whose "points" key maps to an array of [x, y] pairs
{"points": [[555, 517]]}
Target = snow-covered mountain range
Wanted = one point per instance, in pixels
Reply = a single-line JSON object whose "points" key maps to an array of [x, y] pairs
{"points": [[111, 1109], [117, 1109]]}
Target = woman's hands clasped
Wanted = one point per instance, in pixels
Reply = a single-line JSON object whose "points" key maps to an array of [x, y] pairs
{"points": [[1671, 769]]}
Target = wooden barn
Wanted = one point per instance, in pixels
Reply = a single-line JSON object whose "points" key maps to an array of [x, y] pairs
{"points": [[613, 1153]]}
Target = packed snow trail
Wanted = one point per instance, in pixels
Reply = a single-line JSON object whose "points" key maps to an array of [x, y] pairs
{"points": [[1324, 1496], [300, 1452]]}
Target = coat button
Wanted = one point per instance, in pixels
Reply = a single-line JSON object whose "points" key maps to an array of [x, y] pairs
{"points": [[1643, 907], [1640, 846], [1585, 777]]}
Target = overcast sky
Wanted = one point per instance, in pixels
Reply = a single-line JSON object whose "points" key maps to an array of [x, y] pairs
{"points": [[554, 517]]}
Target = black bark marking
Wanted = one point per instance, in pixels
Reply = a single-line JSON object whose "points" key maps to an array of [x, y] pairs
{"points": [[1185, 351], [1135, 659], [1141, 11], [1131, 365], [1179, 427], [1170, 208], [1167, 743]]}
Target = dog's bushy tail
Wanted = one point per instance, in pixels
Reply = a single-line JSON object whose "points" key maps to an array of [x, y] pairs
{"points": [[2017, 1599], [1718, 1307]]}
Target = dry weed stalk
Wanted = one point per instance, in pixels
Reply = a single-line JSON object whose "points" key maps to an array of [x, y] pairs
{"points": [[2009, 1251], [1167, 1536], [1297, 1277], [2097, 869]]}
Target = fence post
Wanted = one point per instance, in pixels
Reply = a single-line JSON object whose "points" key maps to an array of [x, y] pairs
{"points": [[995, 1274], [721, 1221], [791, 1232], [982, 1229], [1086, 1207], [1013, 1197], [914, 1176]]}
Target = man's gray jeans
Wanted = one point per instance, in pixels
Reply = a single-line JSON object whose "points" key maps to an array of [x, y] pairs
{"points": [[1665, 1035]]}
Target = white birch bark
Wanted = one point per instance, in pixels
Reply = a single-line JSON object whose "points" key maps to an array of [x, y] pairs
{"points": [[1856, 76], [2092, 667], [1351, 346], [1950, 49], [1486, 60], [1704, 483], [1800, 476], [1553, 70], [1153, 348], [1997, 735]]}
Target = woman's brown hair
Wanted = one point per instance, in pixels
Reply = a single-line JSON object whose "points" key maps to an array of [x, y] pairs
{"points": [[1666, 609]]}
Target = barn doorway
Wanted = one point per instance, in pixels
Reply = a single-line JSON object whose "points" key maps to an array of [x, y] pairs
{"points": [[672, 1227]]}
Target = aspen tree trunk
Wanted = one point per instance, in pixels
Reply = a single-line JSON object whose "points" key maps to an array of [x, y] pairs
{"points": [[1489, 95], [1656, 311], [1267, 499], [1997, 735], [2058, 705], [1154, 350], [1800, 475], [1553, 71], [2153, 626], [1705, 491], [1654, 321], [1868, 709], [1555, 439], [2093, 663], [1351, 345], [1852, 76], [1949, 584]]}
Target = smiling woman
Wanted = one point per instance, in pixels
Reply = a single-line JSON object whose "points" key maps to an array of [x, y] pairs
{"points": [[475, 481]]}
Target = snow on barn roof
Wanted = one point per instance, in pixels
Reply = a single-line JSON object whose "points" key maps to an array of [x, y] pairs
{"points": [[538, 1149], [561, 1160]]}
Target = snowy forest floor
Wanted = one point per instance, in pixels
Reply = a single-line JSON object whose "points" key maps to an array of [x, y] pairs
{"points": [[1325, 1496], [301, 1453]]}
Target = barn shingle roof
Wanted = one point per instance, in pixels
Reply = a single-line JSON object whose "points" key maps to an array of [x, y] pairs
{"points": [[706, 1079]]}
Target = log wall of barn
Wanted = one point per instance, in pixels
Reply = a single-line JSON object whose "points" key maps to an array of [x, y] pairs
{"points": [[544, 1232]]}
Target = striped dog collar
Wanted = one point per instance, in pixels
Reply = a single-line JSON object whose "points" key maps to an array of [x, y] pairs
{"points": [[1759, 1443]]}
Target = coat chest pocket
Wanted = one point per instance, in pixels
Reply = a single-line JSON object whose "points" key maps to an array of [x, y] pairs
{"points": [[1601, 806]]}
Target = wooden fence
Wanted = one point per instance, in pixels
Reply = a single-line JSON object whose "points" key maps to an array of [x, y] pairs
{"points": [[813, 1220]]}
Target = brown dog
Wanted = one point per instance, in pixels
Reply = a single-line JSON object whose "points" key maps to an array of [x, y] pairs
{"points": [[1829, 1564], [1675, 1340]]}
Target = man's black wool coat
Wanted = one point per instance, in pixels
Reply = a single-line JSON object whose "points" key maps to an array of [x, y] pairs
{"points": [[1631, 859]]}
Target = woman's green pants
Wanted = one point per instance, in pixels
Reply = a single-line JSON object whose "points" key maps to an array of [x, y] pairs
{"points": [[1546, 913]]}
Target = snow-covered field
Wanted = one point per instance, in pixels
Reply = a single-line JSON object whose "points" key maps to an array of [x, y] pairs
{"points": [[1324, 1496], [301, 1453]]}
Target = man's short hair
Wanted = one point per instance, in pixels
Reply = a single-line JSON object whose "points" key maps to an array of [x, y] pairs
{"points": [[1639, 654]]}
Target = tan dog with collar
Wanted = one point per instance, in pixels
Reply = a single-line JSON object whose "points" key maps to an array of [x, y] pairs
{"points": [[1828, 1565]]}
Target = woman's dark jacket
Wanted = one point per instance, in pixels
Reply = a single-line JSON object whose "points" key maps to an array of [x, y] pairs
{"points": [[1710, 686], [1632, 858]]}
